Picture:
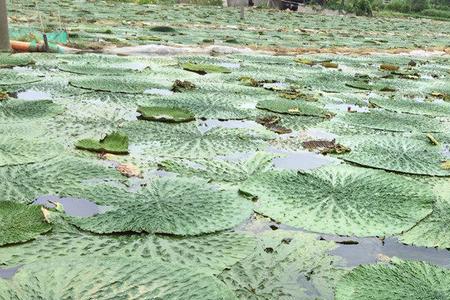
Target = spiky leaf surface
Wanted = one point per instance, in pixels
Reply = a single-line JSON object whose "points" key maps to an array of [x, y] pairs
{"points": [[24, 183], [414, 107], [341, 200], [395, 153], [174, 206], [204, 68], [186, 141], [221, 170], [211, 253], [292, 107], [433, 231], [165, 114], [17, 110], [17, 151], [116, 143], [95, 69], [110, 278], [9, 60], [384, 120], [397, 280], [13, 78], [117, 84], [284, 265], [20, 222]]}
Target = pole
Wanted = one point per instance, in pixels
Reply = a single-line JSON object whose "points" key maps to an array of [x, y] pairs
{"points": [[4, 34], [242, 12]]}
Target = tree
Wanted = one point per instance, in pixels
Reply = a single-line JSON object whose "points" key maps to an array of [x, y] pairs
{"points": [[4, 34]]}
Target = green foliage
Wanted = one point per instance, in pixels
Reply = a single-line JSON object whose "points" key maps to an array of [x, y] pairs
{"points": [[419, 5], [396, 280], [172, 206], [20, 222], [395, 153], [362, 8], [10, 60], [210, 253], [282, 261], [116, 143], [19, 151], [341, 200], [293, 107], [109, 278]]}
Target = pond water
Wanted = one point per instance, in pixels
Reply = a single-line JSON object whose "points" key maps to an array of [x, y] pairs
{"points": [[300, 160], [9, 272], [33, 95], [72, 206]]}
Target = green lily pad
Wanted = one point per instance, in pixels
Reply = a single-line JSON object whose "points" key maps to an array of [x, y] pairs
{"points": [[397, 280], [95, 69], [18, 151], [285, 265], [111, 278], [395, 153], [383, 120], [116, 84], [204, 69], [211, 253], [414, 107], [172, 206], [24, 111], [341, 200], [13, 78], [116, 143], [433, 231], [14, 60], [293, 107], [20, 222], [220, 170], [24, 183], [165, 114]]}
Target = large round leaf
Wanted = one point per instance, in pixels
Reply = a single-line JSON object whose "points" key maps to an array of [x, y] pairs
{"points": [[117, 84], [20, 222], [292, 107], [17, 151], [414, 107], [174, 206], [433, 231], [341, 200], [394, 281], [13, 60], [395, 153], [390, 121], [13, 78], [110, 278], [17, 110], [211, 253]]}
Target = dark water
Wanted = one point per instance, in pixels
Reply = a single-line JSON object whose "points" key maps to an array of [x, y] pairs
{"points": [[72, 206]]}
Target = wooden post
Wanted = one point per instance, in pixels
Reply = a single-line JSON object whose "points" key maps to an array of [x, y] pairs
{"points": [[4, 34], [242, 11]]}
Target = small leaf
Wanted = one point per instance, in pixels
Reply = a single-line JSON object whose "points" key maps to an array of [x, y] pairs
{"points": [[116, 143]]}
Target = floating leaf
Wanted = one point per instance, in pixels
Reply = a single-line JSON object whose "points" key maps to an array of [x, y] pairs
{"points": [[14, 60], [433, 231], [24, 111], [397, 280], [285, 265], [116, 143], [395, 153], [414, 107], [95, 69], [292, 107], [383, 120], [13, 78], [165, 114], [108, 278], [341, 200], [210, 253], [20, 222], [204, 69], [220, 170], [18, 151], [116, 84], [25, 183], [172, 206]]}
